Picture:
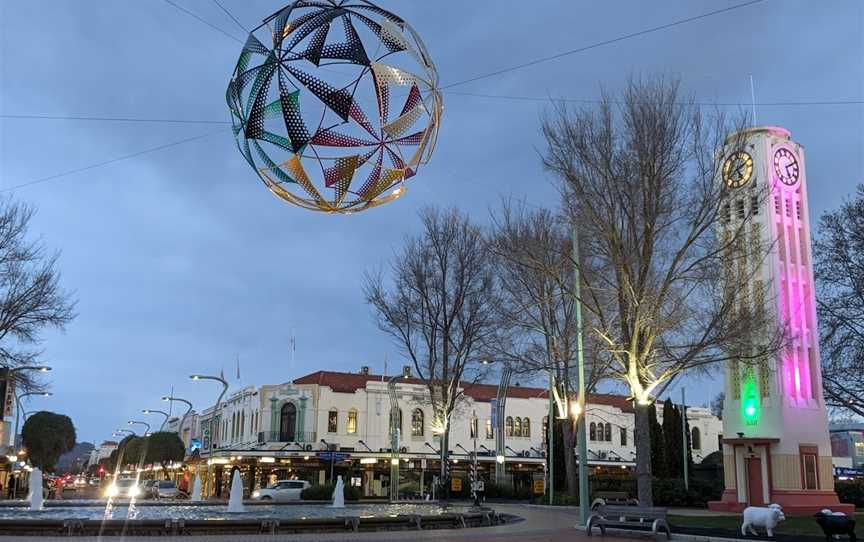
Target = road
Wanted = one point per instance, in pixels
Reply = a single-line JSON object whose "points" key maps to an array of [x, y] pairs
{"points": [[542, 524]]}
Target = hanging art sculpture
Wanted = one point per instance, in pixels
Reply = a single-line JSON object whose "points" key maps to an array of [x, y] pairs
{"points": [[341, 110]]}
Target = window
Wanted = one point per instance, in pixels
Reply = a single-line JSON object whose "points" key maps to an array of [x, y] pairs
{"points": [[242, 424], [526, 427], [608, 432], [544, 430], [811, 479], [417, 423], [332, 421], [517, 427], [473, 428], [623, 436], [508, 427], [351, 428], [695, 439], [489, 433], [592, 431]]}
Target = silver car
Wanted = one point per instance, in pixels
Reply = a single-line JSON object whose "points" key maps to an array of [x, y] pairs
{"points": [[282, 490], [165, 489]]}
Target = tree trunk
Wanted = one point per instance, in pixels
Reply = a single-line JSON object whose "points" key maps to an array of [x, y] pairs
{"points": [[643, 456], [444, 479], [570, 467]]}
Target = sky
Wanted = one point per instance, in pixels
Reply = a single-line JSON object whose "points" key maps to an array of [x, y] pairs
{"points": [[180, 259]]}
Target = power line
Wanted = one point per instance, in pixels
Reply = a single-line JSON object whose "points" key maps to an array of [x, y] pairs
{"points": [[233, 18], [114, 119], [597, 101], [600, 44], [211, 25], [106, 162]]}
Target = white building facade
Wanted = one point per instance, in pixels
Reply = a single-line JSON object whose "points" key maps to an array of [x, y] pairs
{"points": [[328, 423]]}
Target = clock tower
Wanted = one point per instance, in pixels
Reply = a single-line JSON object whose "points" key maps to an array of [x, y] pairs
{"points": [[775, 426]]}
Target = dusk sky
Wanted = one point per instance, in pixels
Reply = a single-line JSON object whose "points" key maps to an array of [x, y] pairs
{"points": [[181, 260]]}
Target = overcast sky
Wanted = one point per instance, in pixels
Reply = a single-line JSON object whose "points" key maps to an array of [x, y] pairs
{"points": [[181, 260]]}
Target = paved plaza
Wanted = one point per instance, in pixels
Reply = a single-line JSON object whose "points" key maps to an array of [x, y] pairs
{"points": [[541, 524]]}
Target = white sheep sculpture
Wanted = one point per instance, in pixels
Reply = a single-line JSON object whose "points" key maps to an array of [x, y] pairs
{"points": [[761, 516]]}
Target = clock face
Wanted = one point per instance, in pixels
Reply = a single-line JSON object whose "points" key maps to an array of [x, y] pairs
{"points": [[786, 166], [737, 169]]}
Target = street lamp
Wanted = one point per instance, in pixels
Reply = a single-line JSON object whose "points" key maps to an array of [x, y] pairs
{"points": [[121, 430], [171, 398], [218, 408], [28, 394], [394, 436], [145, 424], [149, 411]]}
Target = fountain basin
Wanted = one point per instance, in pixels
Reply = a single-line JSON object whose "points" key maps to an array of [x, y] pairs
{"points": [[130, 520]]}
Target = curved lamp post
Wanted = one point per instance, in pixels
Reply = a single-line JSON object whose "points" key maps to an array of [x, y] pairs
{"points": [[171, 398], [145, 424], [121, 431], [150, 411], [9, 374], [28, 394], [218, 408]]}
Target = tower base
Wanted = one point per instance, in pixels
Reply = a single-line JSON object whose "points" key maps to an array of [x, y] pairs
{"points": [[794, 502]]}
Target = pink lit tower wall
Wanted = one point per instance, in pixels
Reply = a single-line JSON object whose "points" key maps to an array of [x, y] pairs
{"points": [[775, 426]]}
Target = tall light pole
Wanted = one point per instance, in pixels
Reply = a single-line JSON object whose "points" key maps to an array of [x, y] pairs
{"points": [[149, 411], [395, 428], [171, 398], [581, 433], [145, 424], [218, 408], [10, 371]]}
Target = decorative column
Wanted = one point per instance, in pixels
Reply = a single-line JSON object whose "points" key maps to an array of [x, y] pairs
{"points": [[301, 420]]}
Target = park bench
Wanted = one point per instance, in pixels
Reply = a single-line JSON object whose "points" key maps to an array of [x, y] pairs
{"points": [[613, 498], [634, 518]]}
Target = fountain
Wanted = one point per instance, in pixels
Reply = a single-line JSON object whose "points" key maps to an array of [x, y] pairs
{"points": [[235, 501], [339, 494], [35, 495], [196, 489]]}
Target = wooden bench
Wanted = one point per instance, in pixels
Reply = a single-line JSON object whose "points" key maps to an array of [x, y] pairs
{"points": [[634, 518], [612, 498]]}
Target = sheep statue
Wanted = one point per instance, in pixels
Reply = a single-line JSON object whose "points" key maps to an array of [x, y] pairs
{"points": [[760, 516], [835, 524]]}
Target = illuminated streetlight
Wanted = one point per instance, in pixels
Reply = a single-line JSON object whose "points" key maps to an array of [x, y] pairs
{"points": [[218, 409], [150, 411], [145, 424], [171, 398]]}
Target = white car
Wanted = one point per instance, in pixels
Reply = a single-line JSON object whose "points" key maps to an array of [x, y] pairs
{"points": [[125, 488], [282, 490], [165, 489]]}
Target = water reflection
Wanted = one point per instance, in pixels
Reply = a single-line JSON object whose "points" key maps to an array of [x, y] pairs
{"points": [[132, 509]]}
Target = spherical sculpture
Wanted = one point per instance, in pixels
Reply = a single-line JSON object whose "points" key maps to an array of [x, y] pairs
{"points": [[341, 110]]}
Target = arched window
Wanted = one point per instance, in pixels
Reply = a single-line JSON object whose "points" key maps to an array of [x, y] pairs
{"points": [[592, 431], [526, 428], [489, 431], [242, 423], [517, 427], [287, 423], [333, 421], [417, 423], [508, 427], [695, 439], [544, 432], [608, 432], [351, 427]]}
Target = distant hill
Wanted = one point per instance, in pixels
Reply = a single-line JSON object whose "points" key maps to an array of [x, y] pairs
{"points": [[75, 459]]}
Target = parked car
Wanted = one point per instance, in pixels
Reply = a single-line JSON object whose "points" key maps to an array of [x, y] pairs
{"points": [[147, 488], [282, 490], [124, 488], [165, 489]]}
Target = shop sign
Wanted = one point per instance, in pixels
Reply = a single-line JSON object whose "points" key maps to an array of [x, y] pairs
{"points": [[333, 456], [539, 487]]}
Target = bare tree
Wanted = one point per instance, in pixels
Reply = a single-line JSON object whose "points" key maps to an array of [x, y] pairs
{"points": [[533, 261], [438, 304], [839, 271], [30, 295], [639, 175]]}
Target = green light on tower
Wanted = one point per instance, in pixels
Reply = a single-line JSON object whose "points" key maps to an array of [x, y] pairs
{"points": [[750, 402]]}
